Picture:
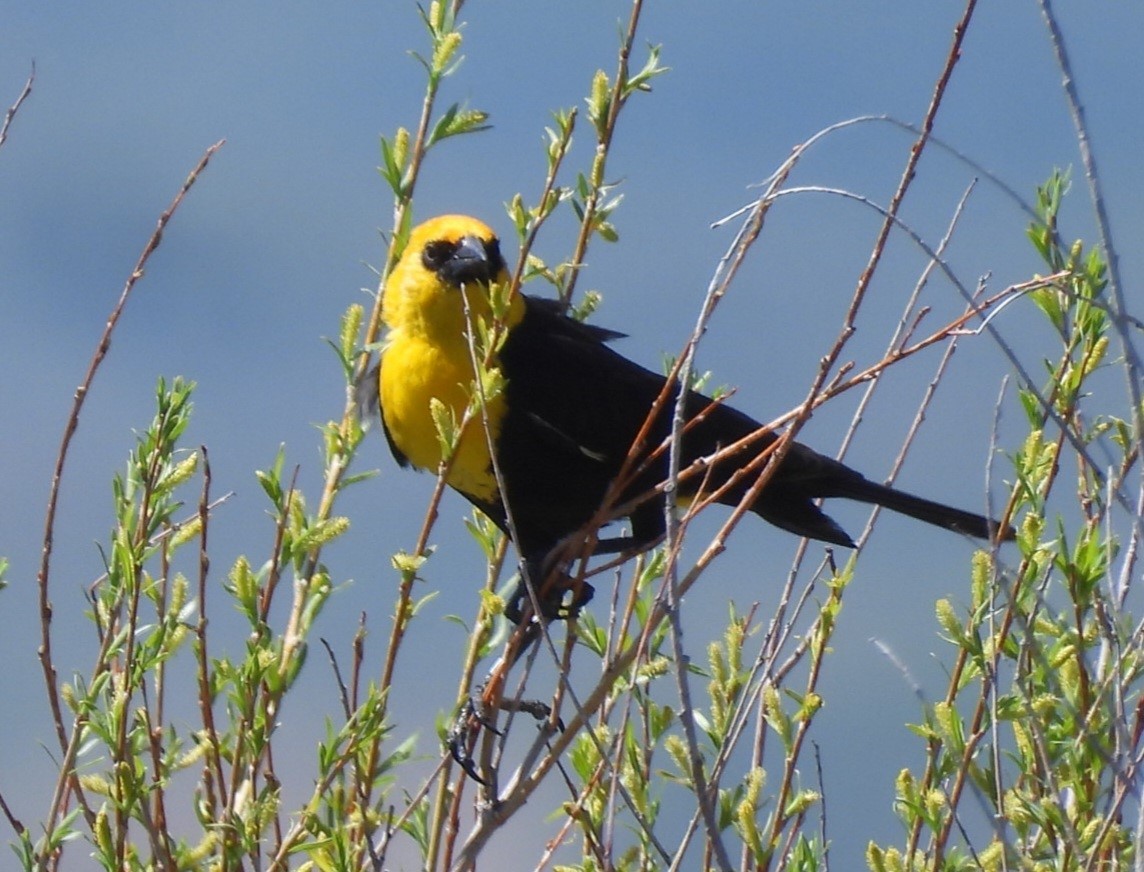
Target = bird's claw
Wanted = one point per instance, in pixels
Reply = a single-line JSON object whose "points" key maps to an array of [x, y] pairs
{"points": [[468, 720], [551, 599], [471, 718]]}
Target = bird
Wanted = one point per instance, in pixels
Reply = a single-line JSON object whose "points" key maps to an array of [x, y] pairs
{"points": [[552, 441]]}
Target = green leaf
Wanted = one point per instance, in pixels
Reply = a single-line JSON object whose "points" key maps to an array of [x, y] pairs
{"points": [[457, 121], [407, 563], [599, 101]]}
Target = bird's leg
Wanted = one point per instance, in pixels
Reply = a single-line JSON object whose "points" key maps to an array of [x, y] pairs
{"points": [[474, 716], [551, 583]]}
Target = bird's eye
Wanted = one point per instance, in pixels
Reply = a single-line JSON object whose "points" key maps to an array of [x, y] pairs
{"points": [[437, 253], [492, 251]]}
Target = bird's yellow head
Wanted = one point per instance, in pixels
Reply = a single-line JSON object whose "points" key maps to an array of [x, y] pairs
{"points": [[448, 261]]}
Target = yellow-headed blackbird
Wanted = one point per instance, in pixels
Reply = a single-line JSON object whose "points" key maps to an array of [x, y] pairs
{"points": [[569, 412]]}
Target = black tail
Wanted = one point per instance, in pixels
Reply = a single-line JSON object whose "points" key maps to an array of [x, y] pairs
{"points": [[794, 509], [969, 523]]}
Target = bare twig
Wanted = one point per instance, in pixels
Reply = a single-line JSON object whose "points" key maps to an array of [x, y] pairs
{"points": [[214, 778], [15, 107], [13, 821]]}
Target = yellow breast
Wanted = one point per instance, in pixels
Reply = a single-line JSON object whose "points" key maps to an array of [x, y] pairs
{"points": [[414, 371]]}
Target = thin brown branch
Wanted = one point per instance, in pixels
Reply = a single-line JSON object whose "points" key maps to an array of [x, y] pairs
{"points": [[13, 821], [15, 107], [214, 779], [908, 173]]}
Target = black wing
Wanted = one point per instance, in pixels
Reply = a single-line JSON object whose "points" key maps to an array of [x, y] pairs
{"points": [[574, 408], [368, 399]]}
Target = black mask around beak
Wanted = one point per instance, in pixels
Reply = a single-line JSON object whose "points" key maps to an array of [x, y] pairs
{"points": [[472, 260]]}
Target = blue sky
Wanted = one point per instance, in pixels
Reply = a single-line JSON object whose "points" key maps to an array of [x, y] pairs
{"points": [[279, 236]]}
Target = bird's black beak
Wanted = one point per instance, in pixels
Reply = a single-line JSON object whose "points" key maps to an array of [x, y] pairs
{"points": [[473, 260]]}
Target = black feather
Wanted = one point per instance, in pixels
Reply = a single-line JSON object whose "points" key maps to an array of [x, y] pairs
{"points": [[368, 400]]}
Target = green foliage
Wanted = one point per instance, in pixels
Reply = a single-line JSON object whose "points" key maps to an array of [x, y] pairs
{"points": [[1033, 726], [129, 755]]}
